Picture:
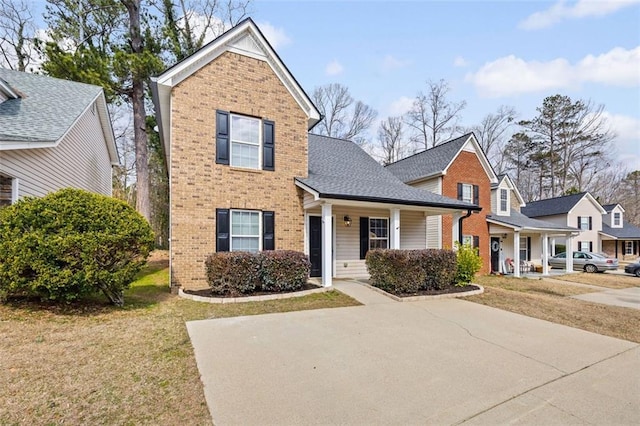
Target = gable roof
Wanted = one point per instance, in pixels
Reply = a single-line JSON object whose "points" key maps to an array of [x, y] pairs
{"points": [[45, 109], [340, 169], [609, 207], [245, 39], [558, 205], [436, 161], [517, 220], [511, 185], [628, 231]]}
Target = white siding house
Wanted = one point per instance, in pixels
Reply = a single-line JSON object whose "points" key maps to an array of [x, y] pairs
{"points": [[53, 134]]}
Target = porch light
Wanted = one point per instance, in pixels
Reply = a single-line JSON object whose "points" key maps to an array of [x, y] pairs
{"points": [[347, 221]]}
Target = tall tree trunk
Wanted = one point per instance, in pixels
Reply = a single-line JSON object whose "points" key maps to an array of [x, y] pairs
{"points": [[139, 114]]}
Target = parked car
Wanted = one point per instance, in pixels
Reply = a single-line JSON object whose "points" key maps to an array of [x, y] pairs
{"points": [[585, 261], [633, 268]]}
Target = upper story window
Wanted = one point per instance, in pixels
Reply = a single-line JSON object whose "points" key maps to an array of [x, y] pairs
{"points": [[504, 200], [584, 223], [468, 193], [378, 233], [617, 219], [243, 141]]}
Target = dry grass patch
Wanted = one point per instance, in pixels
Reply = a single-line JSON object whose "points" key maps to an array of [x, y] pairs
{"points": [[549, 301], [92, 363], [604, 279]]}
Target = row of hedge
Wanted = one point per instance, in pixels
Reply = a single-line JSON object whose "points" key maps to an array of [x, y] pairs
{"points": [[236, 273]]}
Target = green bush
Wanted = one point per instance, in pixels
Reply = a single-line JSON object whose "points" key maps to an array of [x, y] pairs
{"points": [[469, 263], [237, 273], [411, 271], [69, 244]]}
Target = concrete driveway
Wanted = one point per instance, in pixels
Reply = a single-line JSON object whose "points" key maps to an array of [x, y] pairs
{"points": [[432, 362], [626, 297]]}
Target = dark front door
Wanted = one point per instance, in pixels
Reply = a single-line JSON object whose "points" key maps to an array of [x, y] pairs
{"points": [[495, 254], [315, 245]]}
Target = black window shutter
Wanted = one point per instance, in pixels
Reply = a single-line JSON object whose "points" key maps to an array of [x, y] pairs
{"points": [[268, 145], [459, 191], [222, 230], [476, 195], [590, 224], [528, 249], [591, 246], [364, 237], [222, 137], [268, 231], [476, 241], [579, 222]]}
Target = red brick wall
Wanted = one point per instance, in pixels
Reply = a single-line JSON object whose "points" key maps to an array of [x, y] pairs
{"points": [[467, 169]]}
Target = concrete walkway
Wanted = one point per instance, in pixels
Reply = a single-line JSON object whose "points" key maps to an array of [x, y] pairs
{"points": [[626, 297], [433, 362]]}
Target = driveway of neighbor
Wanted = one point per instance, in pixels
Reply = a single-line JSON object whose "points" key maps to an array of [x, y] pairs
{"points": [[626, 297], [433, 362]]}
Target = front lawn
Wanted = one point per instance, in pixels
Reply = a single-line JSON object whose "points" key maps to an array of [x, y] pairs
{"points": [[549, 301], [93, 363]]}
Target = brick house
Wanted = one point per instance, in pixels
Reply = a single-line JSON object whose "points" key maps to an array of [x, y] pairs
{"points": [[460, 169], [245, 174]]}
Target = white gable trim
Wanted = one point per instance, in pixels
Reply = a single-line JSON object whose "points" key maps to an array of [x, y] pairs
{"points": [[472, 145], [593, 201], [506, 179]]}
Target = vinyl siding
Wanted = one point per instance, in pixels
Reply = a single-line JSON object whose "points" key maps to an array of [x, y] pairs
{"points": [[433, 223], [80, 160], [412, 230], [586, 208]]}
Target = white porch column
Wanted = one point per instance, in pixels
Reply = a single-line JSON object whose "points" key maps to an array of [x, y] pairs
{"points": [[455, 218], [569, 254], [516, 253], [545, 254], [394, 231], [553, 246], [327, 246]]}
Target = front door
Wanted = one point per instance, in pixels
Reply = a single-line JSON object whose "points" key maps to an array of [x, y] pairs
{"points": [[495, 254], [315, 245]]}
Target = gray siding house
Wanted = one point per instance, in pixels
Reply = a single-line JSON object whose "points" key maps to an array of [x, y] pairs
{"points": [[53, 134]]}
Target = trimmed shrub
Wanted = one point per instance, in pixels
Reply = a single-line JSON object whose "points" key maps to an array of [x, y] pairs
{"points": [[284, 270], [237, 273], [411, 271], [469, 263], [233, 273], [69, 244]]}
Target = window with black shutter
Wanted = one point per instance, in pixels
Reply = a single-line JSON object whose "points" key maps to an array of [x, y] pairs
{"points": [[222, 230], [268, 230], [268, 145], [364, 237], [222, 137]]}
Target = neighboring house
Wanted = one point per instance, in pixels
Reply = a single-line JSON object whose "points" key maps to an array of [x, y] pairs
{"points": [[517, 239], [619, 238], [459, 168], [245, 174], [53, 134], [581, 211]]}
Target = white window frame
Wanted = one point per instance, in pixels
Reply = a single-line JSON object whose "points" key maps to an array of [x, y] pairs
{"points": [[628, 247], [506, 200], [470, 187], [231, 234], [582, 244], [378, 238], [467, 239], [524, 241], [233, 141], [14, 189], [617, 219], [586, 219]]}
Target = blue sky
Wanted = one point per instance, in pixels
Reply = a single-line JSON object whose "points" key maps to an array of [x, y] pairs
{"points": [[491, 53]]}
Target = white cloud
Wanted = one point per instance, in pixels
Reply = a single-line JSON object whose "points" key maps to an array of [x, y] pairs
{"points": [[400, 106], [511, 75], [275, 35], [334, 68], [390, 63], [627, 130], [460, 62], [560, 11]]}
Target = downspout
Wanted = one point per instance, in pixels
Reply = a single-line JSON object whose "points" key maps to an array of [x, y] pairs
{"points": [[460, 225]]}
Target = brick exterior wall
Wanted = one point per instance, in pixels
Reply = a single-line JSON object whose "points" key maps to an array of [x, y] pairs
{"points": [[467, 168], [248, 86]]}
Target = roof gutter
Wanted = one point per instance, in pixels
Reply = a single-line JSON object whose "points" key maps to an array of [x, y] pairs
{"points": [[400, 202]]}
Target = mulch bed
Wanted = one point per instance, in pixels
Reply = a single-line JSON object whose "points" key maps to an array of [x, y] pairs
{"points": [[450, 290], [207, 292]]}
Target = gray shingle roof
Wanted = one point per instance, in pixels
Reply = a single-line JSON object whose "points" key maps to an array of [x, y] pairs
{"points": [[340, 169], [609, 207], [426, 163], [519, 220], [47, 107], [551, 206], [628, 231]]}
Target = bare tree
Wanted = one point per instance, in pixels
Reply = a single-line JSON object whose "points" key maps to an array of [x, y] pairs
{"points": [[493, 133], [433, 117], [343, 116], [17, 31], [390, 139]]}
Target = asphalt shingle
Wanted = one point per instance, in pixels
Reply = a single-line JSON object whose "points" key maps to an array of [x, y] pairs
{"points": [[628, 230], [519, 220], [552, 206]]}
